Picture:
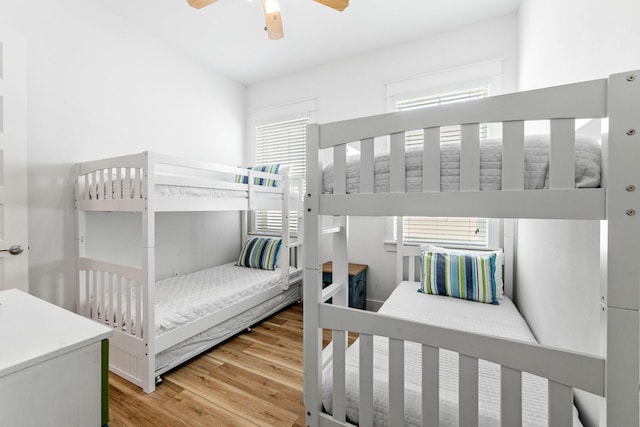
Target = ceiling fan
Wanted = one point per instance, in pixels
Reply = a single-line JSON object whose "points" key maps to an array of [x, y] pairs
{"points": [[272, 13]]}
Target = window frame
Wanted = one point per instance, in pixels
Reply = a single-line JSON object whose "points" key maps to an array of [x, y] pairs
{"points": [[487, 73], [264, 117]]}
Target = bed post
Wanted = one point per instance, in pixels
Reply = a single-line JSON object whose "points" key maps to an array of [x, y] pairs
{"points": [[620, 246], [312, 282], [81, 245], [285, 232], [148, 265]]}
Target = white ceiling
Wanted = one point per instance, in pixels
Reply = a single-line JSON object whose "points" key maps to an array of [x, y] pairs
{"points": [[229, 35]]}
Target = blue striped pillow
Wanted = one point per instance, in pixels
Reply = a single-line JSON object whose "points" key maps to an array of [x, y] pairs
{"points": [[260, 252], [459, 275], [274, 168]]}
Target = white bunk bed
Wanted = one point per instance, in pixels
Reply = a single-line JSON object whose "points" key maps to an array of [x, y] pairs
{"points": [[221, 301], [413, 342]]}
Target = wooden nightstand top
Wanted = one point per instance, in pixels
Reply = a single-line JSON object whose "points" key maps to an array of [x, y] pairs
{"points": [[354, 269]]}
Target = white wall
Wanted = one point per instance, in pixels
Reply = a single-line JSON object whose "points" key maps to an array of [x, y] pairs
{"points": [[99, 87], [357, 87], [561, 42]]}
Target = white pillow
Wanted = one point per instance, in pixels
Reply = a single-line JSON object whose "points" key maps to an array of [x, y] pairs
{"points": [[499, 261]]}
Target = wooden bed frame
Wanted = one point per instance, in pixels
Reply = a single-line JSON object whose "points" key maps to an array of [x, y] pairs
{"points": [[133, 180], [616, 205]]}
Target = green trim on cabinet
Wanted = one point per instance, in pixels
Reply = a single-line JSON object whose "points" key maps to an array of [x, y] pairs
{"points": [[105, 383]]}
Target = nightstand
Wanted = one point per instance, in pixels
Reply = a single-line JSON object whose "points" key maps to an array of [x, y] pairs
{"points": [[357, 283]]}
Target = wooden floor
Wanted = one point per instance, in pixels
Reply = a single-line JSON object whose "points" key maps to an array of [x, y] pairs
{"points": [[254, 379]]}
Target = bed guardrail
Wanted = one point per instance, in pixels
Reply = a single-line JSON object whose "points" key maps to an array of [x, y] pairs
{"points": [[564, 370]]}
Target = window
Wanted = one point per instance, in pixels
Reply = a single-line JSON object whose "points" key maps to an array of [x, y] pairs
{"points": [[281, 142], [445, 231]]}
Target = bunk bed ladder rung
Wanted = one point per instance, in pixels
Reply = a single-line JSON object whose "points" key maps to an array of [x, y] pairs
{"points": [[396, 382], [430, 386], [468, 391], [330, 291], [366, 380], [510, 397], [339, 351]]}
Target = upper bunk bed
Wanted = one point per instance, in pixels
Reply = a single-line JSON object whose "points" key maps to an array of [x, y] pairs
{"points": [[160, 183], [613, 200], [160, 323]]}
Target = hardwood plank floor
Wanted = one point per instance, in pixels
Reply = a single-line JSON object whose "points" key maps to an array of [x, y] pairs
{"points": [[254, 379]]}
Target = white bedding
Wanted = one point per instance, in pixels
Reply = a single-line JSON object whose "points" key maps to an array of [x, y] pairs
{"points": [[163, 190], [405, 302], [185, 298], [536, 167]]}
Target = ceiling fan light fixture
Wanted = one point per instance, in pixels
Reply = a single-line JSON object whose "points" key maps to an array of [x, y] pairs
{"points": [[199, 4], [273, 19]]}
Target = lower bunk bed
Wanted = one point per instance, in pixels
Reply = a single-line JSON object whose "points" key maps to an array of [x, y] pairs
{"points": [[500, 320], [192, 312]]}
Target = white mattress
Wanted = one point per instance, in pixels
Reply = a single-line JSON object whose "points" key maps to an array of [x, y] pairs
{"points": [[163, 190], [185, 298], [536, 167], [405, 302]]}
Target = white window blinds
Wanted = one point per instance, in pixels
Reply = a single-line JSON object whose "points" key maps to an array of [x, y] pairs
{"points": [[445, 231], [283, 142]]}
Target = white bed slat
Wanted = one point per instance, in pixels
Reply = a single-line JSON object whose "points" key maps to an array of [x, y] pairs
{"points": [[138, 184], [127, 184], [510, 397], [513, 155], [111, 289], [340, 169], [397, 169], [366, 380], [430, 386], [87, 295], [468, 391], [103, 296], [431, 160], [118, 318], [109, 194], [94, 295], [562, 155], [412, 269], [87, 185], [470, 157], [127, 291], [366, 165], [396, 382], [339, 339], [118, 193], [138, 305], [95, 186], [560, 405]]}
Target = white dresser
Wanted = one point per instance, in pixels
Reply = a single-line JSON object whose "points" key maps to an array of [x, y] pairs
{"points": [[52, 365]]}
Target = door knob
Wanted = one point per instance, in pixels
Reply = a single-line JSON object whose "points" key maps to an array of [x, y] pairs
{"points": [[14, 250]]}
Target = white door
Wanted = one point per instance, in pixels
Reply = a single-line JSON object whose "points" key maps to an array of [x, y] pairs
{"points": [[14, 261]]}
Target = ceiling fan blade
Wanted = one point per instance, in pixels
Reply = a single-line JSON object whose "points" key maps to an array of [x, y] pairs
{"points": [[335, 4], [199, 4], [273, 19]]}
